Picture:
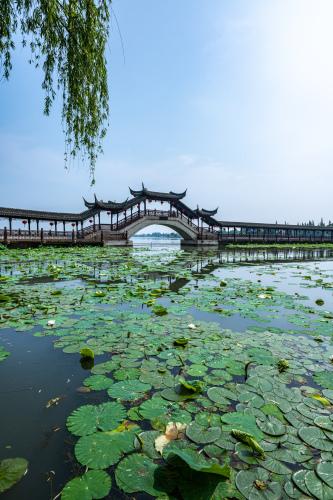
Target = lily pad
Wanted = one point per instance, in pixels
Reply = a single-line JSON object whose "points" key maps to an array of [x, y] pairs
{"points": [[317, 487], [88, 419], [202, 435], [240, 421], [325, 471], [256, 485], [315, 438], [11, 471], [128, 390], [94, 484], [271, 426]]}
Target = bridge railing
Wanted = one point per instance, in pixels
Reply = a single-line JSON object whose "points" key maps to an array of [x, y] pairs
{"points": [[137, 215]]}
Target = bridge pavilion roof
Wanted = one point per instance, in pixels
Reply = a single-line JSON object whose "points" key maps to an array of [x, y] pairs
{"points": [[21, 213], [155, 195]]}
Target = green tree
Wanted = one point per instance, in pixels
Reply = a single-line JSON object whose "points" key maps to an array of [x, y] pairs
{"points": [[67, 39]]}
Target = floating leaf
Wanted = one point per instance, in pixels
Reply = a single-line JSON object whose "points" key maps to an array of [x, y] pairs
{"points": [[325, 471], [98, 382], [128, 390], [94, 484], [325, 379], [316, 487], [315, 438], [242, 422], [11, 471], [88, 419], [256, 484], [271, 426], [202, 435], [249, 440]]}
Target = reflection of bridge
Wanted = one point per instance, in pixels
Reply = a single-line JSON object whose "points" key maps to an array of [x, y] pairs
{"points": [[196, 226]]}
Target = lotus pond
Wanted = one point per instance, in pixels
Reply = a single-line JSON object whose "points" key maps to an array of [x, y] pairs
{"points": [[160, 373]]}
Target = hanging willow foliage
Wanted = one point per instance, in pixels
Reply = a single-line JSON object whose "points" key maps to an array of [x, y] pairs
{"points": [[67, 39]]}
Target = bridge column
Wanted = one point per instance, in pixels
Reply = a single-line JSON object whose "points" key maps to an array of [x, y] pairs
{"points": [[29, 226], [55, 228], [99, 220], [64, 228], [10, 225], [37, 223]]}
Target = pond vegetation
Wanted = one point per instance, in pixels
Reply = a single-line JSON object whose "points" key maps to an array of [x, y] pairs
{"points": [[196, 378]]}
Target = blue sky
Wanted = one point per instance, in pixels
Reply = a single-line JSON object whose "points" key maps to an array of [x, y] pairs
{"points": [[232, 99]]}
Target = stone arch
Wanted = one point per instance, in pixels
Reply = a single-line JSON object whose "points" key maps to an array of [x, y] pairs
{"points": [[176, 224]]}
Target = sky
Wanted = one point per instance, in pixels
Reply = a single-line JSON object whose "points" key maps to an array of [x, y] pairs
{"points": [[231, 99]]}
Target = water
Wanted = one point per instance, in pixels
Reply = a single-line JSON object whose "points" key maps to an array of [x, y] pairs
{"points": [[36, 372]]}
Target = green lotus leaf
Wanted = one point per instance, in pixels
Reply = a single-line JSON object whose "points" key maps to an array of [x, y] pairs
{"points": [[145, 442], [325, 379], [324, 422], [171, 395], [275, 466], [106, 367], [98, 382], [299, 480], [127, 373], [202, 435], [242, 422], [221, 395], [88, 419], [137, 473], [256, 485], [328, 393], [128, 390], [153, 408], [102, 449], [292, 491], [196, 461], [3, 354], [274, 410], [317, 487], [325, 471], [271, 426], [11, 471], [94, 484], [315, 438], [260, 355], [197, 370], [208, 419]]}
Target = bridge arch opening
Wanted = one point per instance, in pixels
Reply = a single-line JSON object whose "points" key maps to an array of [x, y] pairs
{"points": [[157, 232], [166, 226]]}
